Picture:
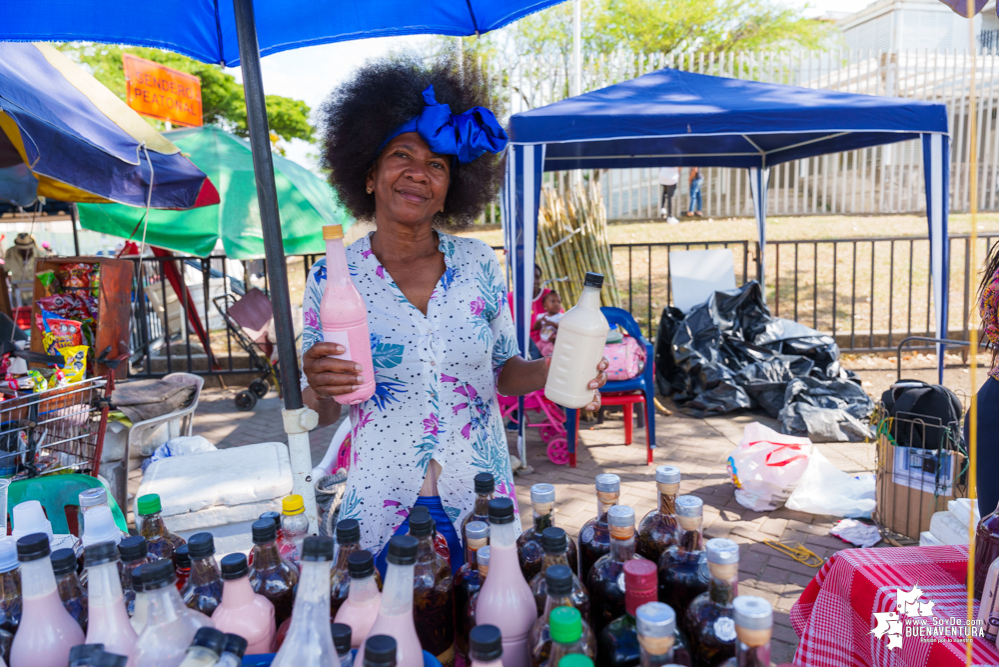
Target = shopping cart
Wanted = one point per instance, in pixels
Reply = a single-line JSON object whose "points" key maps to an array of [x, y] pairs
{"points": [[548, 418], [247, 319]]}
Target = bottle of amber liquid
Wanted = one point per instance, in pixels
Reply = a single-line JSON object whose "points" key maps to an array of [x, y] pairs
{"points": [[566, 628], [348, 539], [10, 596], [709, 618], [182, 565], [467, 583], [555, 544], [433, 600], [986, 549], [71, 592], [485, 486], [558, 588], [203, 591], [270, 575], [530, 551], [658, 530], [683, 569], [160, 541], [594, 537], [606, 583], [660, 641], [482, 559], [754, 621]]}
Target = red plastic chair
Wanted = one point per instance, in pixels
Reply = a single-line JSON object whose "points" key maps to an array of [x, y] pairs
{"points": [[628, 401]]}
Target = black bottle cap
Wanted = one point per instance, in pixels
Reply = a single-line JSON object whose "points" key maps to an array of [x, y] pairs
{"points": [[137, 584], [182, 557], [316, 548], [105, 659], [500, 511], [348, 531], [558, 578], [100, 553], [421, 523], [236, 645], [264, 531], [485, 483], [273, 516], [83, 653], [593, 280], [234, 566], [379, 651], [209, 638], [360, 564], [402, 550], [201, 545], [341, 637], [554, 540], [133, 548], [158, 574], [33, 547], [63, 562], [486, 643]]}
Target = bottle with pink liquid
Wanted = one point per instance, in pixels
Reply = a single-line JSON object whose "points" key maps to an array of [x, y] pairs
{"points": [[506, 600], [364, 600], [47, 632], [395, 618], [310, 640], [243, 612], [108, 621], [486, 646], [344, 316]]}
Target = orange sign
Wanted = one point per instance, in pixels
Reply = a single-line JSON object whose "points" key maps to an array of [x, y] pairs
{"points": [[162, 92]]}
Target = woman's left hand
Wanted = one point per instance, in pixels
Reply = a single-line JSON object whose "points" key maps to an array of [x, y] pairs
{"points": [[596, 383]]}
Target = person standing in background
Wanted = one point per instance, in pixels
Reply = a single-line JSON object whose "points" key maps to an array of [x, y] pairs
{"points": [[668, 179], [696, 179], [19, 260]]}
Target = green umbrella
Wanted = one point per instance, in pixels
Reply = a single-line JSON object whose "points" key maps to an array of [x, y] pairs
{"points": [[306, 202]]}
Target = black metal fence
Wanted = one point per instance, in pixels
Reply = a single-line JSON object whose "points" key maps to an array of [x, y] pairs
{"points": [[868, 292]]}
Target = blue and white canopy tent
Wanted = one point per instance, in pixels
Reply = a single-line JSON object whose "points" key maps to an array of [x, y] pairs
{"points": [[673, 118]]}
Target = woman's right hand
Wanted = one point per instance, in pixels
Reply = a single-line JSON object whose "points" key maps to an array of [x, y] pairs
{"points": [[327, 375]]}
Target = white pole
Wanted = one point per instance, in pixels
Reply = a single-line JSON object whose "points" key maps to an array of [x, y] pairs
{"points": [[577, 65]]}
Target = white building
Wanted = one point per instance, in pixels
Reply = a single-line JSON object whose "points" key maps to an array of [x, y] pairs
{"points": [[894, 25]]}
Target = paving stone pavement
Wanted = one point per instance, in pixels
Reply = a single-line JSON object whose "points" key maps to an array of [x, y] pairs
{"points": [[699, 447]]}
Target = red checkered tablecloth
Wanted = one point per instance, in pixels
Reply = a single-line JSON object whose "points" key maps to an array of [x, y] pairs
{"points": [[835, 615]]}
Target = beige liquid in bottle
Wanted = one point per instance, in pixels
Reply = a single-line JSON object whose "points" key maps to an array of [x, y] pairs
{"points": [[579, 346]]}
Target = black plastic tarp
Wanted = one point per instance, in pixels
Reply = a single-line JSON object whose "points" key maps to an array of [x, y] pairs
{"points": [[730, 353]]}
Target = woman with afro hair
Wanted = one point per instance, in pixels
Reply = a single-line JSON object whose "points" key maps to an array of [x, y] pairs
{"points": [[413, 147]]}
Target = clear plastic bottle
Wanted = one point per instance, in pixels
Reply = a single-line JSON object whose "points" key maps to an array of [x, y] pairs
{"points": [[555, 543], [342, 640], [395, 617], [566, 627], [270, 575], [203, 591], [380, 651], [205, 649], [71, 592], [433, 593], [134, 553], [161, 542], [170, 625], [89, 499], [579, 346], [232, 652], [182, 565], [10, 595], [294, 526], [242, 611], [140, 610], [309, 642], [47, 632], [486, 646], [107, 618], [360, 610], [348, 541]]}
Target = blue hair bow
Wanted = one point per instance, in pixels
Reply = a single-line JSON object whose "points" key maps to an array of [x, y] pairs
{"points": [[465, 135]]}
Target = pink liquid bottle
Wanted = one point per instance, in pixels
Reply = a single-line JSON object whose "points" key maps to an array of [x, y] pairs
{"points": [[395, 617], [107, 616], [364, 600], [506, 600], [486, 646], [344, 316], [47, 632], [243, 612]]}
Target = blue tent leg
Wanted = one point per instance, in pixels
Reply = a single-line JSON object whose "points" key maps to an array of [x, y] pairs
{"points": [[570, 435]]}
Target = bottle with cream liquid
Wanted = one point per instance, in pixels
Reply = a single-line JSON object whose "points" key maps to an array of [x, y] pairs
{"points": [[579, 347]]}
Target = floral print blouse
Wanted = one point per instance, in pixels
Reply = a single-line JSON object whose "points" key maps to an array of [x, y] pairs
{"points": [[435, 385], [989, 309]]}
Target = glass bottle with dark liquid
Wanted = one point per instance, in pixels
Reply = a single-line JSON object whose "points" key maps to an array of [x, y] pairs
{"points": [[594, 537], [482, 559], [658, 530], [683, 569], [606, 583], [485, 486], [133, 553], [530, 550], [986, 548], [270, 575], [161, 542], [433, 600], [754, 620], [709, 618], [348, 537], [203, 591], [467, 583], [660, 641], [182, 565], [558, 593], [74, 599], [566, 628], [554, 541], [10, 596], [617, 645]]}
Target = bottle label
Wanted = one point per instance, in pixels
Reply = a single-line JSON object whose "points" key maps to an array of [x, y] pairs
{"points": [[620, 582], [725, 629], [340, 338]]}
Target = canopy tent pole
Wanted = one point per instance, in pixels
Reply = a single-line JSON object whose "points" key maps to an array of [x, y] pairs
{"points": [[76, 236], [936, 162], [298, 420], [758, 182]]}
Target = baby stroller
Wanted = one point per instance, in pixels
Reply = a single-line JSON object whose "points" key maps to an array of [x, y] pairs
{"points": [[550, 422], [248, 320]]}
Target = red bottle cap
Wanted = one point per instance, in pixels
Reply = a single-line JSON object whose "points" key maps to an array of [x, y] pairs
{"points": [[640, 584]]}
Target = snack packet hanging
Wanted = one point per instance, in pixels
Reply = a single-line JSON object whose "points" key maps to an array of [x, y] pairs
{"points": [[59, 332], [75, 368], [70, 306], [75, 276], [49, 282]]}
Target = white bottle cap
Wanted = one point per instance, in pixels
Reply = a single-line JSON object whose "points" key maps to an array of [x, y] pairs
{"points": [[100, 527], [29, 517], [542, 493]]}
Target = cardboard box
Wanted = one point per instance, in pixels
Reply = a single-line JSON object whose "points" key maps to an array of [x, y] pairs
{"points": [[914, 483]]}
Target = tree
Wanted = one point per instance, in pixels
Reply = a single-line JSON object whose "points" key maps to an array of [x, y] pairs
{"points": [[222, 99]]}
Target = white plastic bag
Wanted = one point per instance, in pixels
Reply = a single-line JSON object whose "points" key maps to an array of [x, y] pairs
{"points": [[182, 446], [766, 466], [825, 489]]}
